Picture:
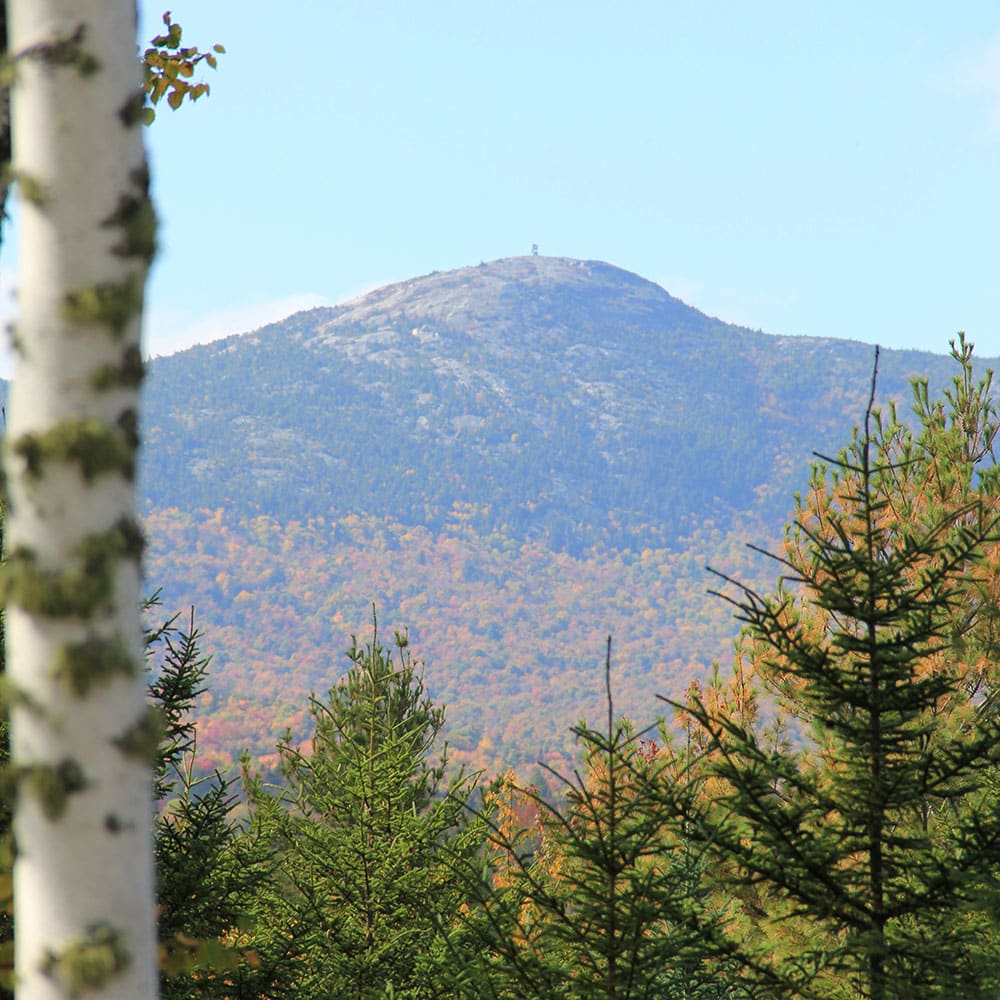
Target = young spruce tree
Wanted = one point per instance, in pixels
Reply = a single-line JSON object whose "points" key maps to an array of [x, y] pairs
{"points": [[603, 898], [870, 848], [207, 870], [365, 828]]}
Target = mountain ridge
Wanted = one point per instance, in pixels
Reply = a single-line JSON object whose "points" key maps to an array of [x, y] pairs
{"points": [[509, 459], [500, 366]]}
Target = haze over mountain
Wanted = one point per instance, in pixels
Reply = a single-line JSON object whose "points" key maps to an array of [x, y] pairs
{"points": [[511, 459]]}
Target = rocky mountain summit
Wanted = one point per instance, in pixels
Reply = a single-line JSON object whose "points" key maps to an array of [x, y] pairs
{"points": [[568, 396]]}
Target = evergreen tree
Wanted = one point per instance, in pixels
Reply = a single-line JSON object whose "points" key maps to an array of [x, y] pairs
{"points": [[863, 850], [365, 830], [206, 869], [603, 897]]}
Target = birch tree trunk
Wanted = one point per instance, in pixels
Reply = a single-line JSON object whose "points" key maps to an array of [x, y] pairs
{"points": [[82, 736]]}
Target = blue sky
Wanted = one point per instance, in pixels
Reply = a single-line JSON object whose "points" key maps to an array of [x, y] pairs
{"points": [[831, 170]]}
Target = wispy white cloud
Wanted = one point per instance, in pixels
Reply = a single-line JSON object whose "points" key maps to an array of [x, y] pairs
{"points": [[689, 290], [166, 333], [978, 72]]}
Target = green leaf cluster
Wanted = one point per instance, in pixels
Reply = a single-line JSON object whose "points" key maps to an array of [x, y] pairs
{"points": [[170, 68]]}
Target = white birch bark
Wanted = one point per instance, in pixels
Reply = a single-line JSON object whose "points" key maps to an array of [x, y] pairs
{"points": [[81, 733]]}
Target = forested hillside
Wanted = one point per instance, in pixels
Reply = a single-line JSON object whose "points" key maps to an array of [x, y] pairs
{"points": [[511, 632], [820, 823], [511, 460], [573, 400]]}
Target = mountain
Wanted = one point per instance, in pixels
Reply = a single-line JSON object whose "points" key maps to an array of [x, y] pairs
{"points": [[509, 459]]}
